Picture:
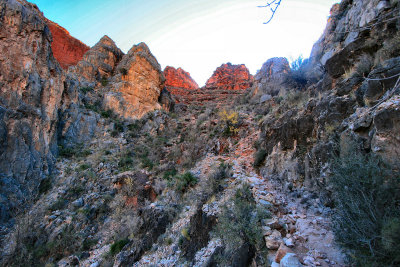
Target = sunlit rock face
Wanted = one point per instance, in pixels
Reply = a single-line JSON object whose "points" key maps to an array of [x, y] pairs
{"points": [[230, 77], [99, 62], [179, 83], [32, 86], [179, 78], [66, 49], [136, 87]]}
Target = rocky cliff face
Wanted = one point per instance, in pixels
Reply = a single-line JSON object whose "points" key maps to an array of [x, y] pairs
{"points": [[179, 78], [66, 49], [32, 87], [350, 91], [230, 77], [98, 64], [137, 85]]}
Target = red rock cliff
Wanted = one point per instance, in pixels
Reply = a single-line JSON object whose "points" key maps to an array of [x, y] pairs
{"points": [[66, 49], [230, 77], [179, 78]]}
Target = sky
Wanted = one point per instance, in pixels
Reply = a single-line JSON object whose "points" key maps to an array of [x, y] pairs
{"points": [[196, 35]]}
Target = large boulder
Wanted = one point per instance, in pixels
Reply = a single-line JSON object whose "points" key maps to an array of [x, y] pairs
{"points": [[137, 84]]}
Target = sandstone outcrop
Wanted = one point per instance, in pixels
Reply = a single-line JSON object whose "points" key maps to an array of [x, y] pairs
{"points": [[98, 64], [178, 78], [137, 85], [66, 49], [230, 77], [32, 88]]}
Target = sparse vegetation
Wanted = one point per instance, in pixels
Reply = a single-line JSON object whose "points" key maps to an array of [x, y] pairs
{"points": [[86, 90], [367, 215], [240, 224], [259, 157], [117, 246], [231, 122]]}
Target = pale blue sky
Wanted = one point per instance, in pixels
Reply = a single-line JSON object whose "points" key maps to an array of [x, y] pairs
{"points": [[197, 35]]}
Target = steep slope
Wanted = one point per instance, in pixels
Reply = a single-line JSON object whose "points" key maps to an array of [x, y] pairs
{"points": [[67, 50]]}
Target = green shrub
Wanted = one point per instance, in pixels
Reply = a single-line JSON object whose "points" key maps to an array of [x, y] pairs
{"points": [[367, 217], [168, 175], [45, 185], [118, 246], [118, 126], [104, 81], [147, 163], [106, 113], [259, 157], [58, 205], [83, 167], [240, 223], [184, 181], [85, 90], [125, 163], [88, 243]]}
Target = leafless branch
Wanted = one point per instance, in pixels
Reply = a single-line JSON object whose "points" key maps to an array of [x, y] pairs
{"points": [[273, 6]]}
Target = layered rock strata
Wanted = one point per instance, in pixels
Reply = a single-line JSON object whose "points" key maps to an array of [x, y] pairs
{"points": [[230, 77]]}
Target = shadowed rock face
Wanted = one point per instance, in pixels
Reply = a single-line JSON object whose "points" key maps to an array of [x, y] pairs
{"points": [[137, 85], [272, 75], [179, 78], [99, 62], [31, 92], [230, 77], [66, 49]]}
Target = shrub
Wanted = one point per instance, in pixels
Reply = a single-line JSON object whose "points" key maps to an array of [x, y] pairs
{"points": [[83, 167], [125, 163], [259, 157], [106, 113], [231, 121], [58, 205], [298, 71], [184, 181], [240, 223], [104, 81], [124, 71], [45, 185], [117, 246], [367, 218], [85, 90]]}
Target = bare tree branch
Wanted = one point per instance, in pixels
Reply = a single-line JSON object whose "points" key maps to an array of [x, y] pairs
{"points": [[273, 6]]}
